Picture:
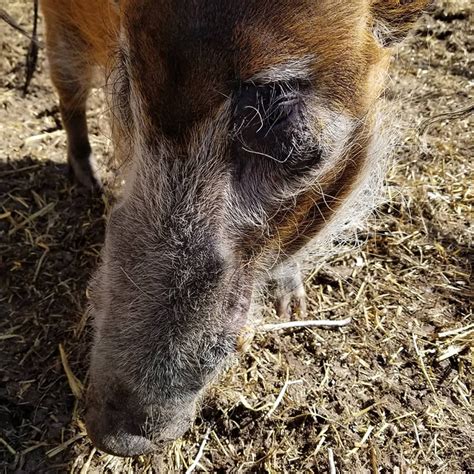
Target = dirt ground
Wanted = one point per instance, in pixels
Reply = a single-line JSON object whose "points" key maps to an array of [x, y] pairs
{"points": [[392, 392]]}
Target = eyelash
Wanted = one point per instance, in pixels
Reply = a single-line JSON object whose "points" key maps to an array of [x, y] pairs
{"points": [[266, 108], [281, 111]]}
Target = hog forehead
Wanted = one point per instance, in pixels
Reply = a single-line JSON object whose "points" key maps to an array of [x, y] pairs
{"points": [[267, 29], [186, 57]]}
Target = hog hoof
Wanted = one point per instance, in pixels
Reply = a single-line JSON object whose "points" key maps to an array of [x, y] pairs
{"points": [[82, 172], [290, 295]]}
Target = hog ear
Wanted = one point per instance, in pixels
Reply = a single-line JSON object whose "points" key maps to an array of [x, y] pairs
{"points": [[393, 19]]}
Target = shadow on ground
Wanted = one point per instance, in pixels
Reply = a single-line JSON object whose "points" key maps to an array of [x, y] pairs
{"points": [[50, 239]]}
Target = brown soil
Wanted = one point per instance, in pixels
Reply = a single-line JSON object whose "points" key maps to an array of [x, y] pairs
{"points": [[390, 392]]}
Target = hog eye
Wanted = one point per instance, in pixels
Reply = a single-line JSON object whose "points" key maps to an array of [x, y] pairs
{"points": [[262, 110], [271, 131], [281, 112]]}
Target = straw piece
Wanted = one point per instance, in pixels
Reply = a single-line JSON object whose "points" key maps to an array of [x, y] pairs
{"points": [[332, 465], [200, 453], [74, 383], [278, 400]]}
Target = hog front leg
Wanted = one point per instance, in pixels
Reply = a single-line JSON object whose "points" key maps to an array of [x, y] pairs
{"points": [[71, 73], [289, 291]]}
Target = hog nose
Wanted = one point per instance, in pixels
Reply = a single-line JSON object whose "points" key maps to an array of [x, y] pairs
{"points": [[125, 445], [117, 433]]}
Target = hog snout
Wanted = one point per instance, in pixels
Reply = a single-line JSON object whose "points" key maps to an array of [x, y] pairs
{"points": [[150, 367], [168, 303], [122, 427]]}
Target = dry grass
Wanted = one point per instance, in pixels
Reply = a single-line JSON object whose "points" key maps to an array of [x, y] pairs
{"points": [[391, 392]]}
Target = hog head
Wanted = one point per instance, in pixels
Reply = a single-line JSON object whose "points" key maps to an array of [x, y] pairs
{"points": [[244, 128]]}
